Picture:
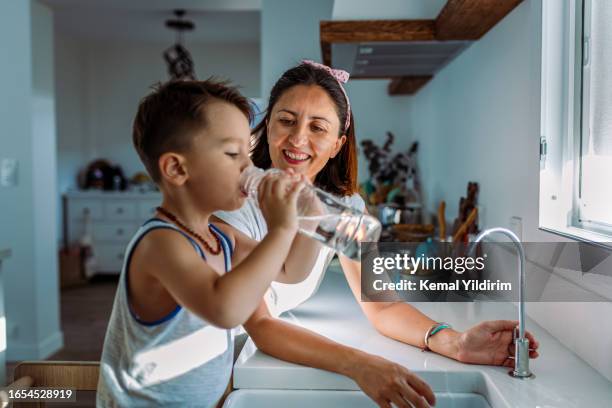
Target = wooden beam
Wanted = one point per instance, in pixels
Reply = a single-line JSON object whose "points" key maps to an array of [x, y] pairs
{"points": [[470, 19], [458, 20], [377, 30], [407, 85], [326, 52], [338, 31]]}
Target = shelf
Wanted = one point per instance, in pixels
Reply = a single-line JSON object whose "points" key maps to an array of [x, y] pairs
{"points": [[409, 52]]}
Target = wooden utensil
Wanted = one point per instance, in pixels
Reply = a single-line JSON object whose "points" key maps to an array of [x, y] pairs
{"points": [[464, 227], [442, 220]]}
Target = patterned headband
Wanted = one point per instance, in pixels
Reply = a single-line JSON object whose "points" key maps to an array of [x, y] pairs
{"points": [[342, 77]]}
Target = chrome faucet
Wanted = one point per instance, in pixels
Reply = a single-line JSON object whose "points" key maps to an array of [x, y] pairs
{"points": [[521, 343]]}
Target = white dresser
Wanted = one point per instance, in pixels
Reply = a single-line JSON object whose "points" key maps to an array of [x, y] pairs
{"points": [[114, 218]]}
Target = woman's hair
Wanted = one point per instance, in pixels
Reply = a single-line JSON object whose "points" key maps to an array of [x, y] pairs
{"points": [[339, 176]]}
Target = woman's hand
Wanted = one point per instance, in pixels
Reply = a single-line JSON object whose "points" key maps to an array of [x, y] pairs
{"points": [[491, 342], [389, 383]]}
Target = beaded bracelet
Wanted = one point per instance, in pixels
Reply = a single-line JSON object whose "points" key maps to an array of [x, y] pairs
{"points": [[433, 330]]}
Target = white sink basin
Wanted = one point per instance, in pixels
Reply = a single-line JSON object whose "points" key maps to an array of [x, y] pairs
{"points": [[335, 399], [453, 389]]}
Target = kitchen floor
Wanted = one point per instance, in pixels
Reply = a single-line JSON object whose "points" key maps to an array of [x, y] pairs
{"points": [[85, 311]]}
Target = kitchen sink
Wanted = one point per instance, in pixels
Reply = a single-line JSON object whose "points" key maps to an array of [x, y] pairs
{"points": [[456, 389], [335, 399]]}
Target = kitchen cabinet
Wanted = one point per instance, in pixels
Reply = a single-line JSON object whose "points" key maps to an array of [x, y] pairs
{"points": [[110, 219]]}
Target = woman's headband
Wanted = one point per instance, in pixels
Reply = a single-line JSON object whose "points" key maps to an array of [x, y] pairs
{"points": [[341, 77]]}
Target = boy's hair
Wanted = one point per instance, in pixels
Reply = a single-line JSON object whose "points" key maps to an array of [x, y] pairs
{"points": [[169, 118]]}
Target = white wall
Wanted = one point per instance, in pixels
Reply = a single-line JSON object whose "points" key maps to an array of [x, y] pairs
{"points": [[479, 120], [101, 83], [70, 74], [376, 113], [387, 9], [27, 129], [289, 34]]}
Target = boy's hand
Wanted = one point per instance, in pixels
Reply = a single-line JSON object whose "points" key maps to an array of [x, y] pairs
{"points": [[277, 195], [390, 384]]}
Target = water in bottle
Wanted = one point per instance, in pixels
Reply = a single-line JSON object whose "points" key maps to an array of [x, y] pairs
{"points": [[323, 216]]}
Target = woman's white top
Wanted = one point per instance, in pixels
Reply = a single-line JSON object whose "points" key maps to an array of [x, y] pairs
{"points": [[282, 297]]}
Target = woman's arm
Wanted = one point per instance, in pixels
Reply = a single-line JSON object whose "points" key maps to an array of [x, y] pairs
{"points": [[380, 379], [489, 342], [298, 264]]}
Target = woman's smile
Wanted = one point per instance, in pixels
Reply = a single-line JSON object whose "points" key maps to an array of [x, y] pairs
{"points": [[295, 157]]}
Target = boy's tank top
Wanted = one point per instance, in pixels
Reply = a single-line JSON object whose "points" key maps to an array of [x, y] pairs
{"points": [[179, 360]]}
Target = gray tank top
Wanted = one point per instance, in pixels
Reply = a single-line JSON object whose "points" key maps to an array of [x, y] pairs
{"points": [[179, 360]]}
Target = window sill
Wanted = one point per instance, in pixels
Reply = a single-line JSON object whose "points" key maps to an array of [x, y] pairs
{"points": [[582, 235]]}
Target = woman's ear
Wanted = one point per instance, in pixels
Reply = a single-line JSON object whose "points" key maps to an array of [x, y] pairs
{"points": [[339, 143], [172, 168]]}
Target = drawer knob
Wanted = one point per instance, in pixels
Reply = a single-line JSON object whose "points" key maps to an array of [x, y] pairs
{"points": [[119, 210], [120, 231], [120, 256]]}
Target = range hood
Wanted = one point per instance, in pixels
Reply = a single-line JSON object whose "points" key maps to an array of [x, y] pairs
{"points": [[409, 52]]}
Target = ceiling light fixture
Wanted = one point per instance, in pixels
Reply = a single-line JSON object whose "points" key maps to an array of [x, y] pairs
{"points": [[178, 58]]}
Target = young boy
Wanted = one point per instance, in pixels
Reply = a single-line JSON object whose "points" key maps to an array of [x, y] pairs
{"points": [[169, 340]]}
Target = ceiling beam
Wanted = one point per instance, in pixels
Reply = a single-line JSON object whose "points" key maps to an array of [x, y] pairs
{"points": [[372, 31], [407, 85], [459, 20], [470, 19]]}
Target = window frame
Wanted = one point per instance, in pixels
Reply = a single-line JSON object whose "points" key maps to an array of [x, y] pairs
{"points": [[562, 124]]}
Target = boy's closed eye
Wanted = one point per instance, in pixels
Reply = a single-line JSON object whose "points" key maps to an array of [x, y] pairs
{"points": [[232, 155]]}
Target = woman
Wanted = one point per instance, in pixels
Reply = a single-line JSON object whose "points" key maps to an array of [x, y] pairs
{"points": [[309, 128]]}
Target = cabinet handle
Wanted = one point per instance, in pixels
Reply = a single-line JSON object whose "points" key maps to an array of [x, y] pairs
{"points": [[120, 256], [119, 210], [86, 211], [120, 231]]}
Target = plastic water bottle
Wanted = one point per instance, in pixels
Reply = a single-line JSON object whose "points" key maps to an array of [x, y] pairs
{"points": [[323, 217]]}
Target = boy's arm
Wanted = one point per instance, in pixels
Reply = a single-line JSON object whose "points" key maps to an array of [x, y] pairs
{"points": [[298, 264], [223, 300], [380, 379]]}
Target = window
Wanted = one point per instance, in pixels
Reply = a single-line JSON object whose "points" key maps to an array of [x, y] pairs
{"points": [[576, 130], [595, 174]]}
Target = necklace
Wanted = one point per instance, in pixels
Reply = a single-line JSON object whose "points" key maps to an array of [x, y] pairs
{"points": [[185, 228]]}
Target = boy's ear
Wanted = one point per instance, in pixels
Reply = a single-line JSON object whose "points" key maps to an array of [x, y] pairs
{"points": [[172, 168]]}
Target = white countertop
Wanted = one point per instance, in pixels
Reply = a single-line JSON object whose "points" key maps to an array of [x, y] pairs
{"points": [[562, 378]]}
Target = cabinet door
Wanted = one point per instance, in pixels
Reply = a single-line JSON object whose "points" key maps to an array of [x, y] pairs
{"points": [[147, 208], [120, 210], [109, 257], [79, 207], [115, 232], [77, 210]]}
